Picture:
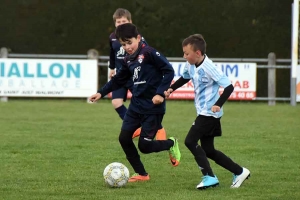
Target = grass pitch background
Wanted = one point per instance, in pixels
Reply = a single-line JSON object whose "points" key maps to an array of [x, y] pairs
{"points": [[58, 149]]}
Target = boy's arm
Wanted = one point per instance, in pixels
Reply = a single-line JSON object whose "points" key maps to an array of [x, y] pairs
{"points": [[185, 78], [180, 82], [225, 95], [111, 57], [168, 72]]}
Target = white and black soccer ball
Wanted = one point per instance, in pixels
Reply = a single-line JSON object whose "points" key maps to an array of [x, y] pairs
{"points": [[116, 174]]}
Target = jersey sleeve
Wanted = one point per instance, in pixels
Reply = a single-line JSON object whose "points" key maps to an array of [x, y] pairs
{"points": [[218, 76], [165, 67], [112, 56], [186, 73]]}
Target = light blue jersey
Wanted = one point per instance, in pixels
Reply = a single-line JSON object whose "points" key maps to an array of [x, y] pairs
{"points": [[207, 79]]}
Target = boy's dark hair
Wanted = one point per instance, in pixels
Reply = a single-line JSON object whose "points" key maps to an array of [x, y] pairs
{"points": [[121, 12], [126, 31], [196, 41]]}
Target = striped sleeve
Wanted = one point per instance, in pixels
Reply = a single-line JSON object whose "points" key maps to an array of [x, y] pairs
{"points": [[216, 74], [186, 73]]}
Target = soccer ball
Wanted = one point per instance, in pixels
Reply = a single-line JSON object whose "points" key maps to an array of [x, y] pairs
{"points": [[116, 174]]}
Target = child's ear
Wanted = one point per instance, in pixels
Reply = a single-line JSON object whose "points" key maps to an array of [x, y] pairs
{"points": [[139, 37], [198, 52]]}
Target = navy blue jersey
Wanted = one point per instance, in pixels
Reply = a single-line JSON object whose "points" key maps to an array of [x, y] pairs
{"points": [[117, 53], [151, 74]]}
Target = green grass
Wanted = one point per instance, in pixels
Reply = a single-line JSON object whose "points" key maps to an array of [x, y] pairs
{"points": [[58, 149]]}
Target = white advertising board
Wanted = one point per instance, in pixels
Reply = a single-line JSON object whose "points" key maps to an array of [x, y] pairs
{"points": [[48, 77]]}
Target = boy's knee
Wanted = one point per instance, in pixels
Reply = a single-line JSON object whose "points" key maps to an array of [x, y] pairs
{"points": [[209, 151], [125, 137], [117, 103], [189, 143], [144, 145]]}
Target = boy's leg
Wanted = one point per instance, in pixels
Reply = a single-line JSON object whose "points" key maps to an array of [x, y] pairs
{"points": [[137, 132], [147, 144], [199, 128], [133, 157], [220, 158], [121, 110], [130, 123], [150, 125], [240, 174], [118, 98]]}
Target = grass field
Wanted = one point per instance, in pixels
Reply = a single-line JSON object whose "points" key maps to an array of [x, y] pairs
{"points": [[57, 149]]}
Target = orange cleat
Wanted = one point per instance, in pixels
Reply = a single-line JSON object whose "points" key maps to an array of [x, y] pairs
{"points": [[174, 162], [137, 178], [136, 133], [161, 134]]}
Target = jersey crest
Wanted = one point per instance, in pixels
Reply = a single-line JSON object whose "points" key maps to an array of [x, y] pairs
{"points": [[141, 58]]}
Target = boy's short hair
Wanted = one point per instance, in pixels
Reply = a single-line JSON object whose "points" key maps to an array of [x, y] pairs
{"points": [[126, 31], [196, 41], [121, 12]]}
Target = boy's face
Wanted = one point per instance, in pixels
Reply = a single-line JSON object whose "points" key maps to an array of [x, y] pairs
{"points": [[190, 55], [122, 20], [131, 45]]}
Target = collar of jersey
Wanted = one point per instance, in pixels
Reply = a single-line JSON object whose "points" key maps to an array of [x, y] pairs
{"points": [[134, 55]]}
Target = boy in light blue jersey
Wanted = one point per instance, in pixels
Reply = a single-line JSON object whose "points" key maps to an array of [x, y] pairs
{"points": [[207, 79]]}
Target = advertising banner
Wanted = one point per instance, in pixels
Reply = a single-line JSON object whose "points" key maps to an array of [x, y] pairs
{"points": [[48, 78]]}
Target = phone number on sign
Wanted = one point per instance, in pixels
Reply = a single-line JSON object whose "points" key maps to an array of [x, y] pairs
{"points": [[242, 96]]}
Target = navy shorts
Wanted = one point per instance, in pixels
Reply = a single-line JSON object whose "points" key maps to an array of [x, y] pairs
{"points": [[150, 123], [206, 126], [121, 93]]}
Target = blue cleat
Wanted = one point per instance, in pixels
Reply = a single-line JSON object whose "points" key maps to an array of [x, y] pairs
{"points": [[207, 182]]}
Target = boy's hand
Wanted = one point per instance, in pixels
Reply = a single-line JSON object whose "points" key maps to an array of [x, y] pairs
{"points": [[168, 92], [112, 72], [157, 99], [215, 109], [95, 97]]}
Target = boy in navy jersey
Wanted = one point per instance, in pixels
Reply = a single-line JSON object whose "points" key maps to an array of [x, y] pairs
{"points": [[116, 57], [207, 79], [151, 74]]}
